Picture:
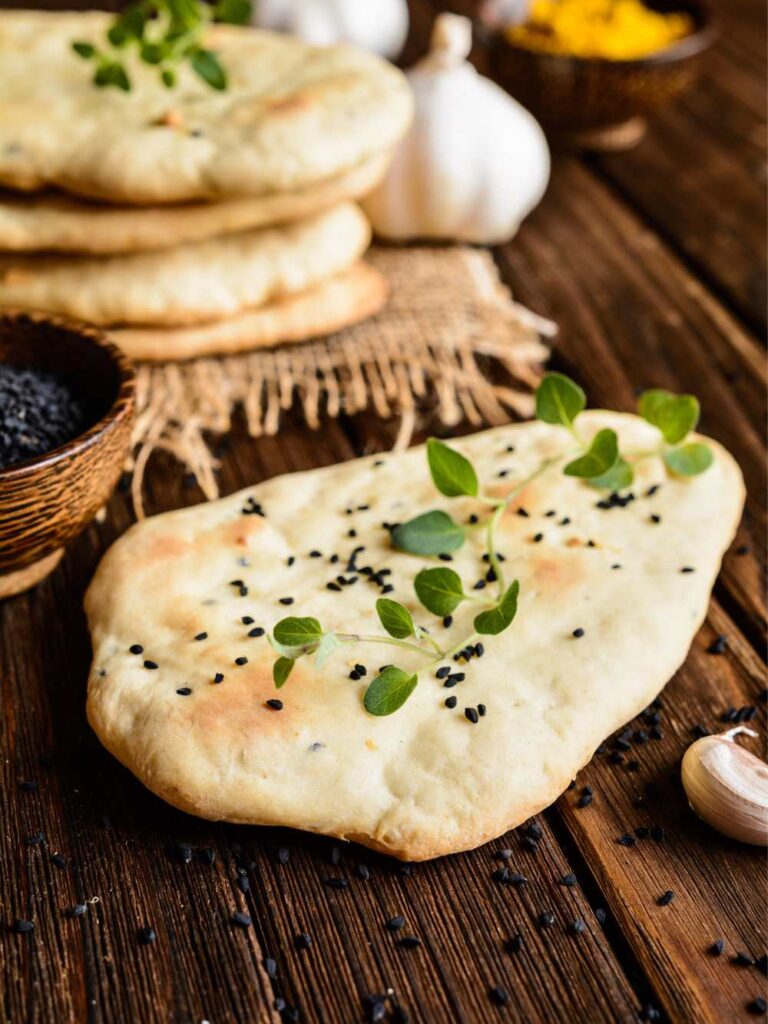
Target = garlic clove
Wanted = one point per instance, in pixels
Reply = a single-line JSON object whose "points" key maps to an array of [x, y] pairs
{"points": [[727, 786]]}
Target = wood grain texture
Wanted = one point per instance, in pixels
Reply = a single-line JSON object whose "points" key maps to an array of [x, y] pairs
{"points": [[640, 302]]}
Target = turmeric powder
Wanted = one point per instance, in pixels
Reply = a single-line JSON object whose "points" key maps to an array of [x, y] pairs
{"points": [[611, 29]]}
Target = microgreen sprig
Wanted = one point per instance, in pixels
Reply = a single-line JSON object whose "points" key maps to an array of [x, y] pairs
{"points": [[164, 34], [439, 589]]}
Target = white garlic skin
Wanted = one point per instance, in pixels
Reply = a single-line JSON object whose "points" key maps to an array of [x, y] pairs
{"points": [[727, 786], [474, 163], [380, 26]]}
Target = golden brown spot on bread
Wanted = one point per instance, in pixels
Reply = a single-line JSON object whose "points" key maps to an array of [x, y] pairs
{"points": [[236, 707], [371, 745], [557, 573], [166, 545], [238, 532]]}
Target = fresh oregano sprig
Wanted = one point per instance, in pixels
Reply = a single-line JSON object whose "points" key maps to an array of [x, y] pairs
{"points": [[164, 34], [439, 589]]}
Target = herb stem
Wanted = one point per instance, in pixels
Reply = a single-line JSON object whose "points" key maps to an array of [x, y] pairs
{"points": [[355, 638], [493, 558]]}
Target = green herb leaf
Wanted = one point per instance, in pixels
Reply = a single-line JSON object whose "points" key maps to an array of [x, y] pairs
{"points": [[559, 400], [327, 646], [395, 618], [296, 632], [234, 12], [496, 620], [689, 459], [674, 415], [439, 590], [153, 53], [85, 50], [168, 78], [281, 669], [616, 478], [601, 456], [453, 475], [432, 533], [389, 691], [206, 65], [112, 73]]}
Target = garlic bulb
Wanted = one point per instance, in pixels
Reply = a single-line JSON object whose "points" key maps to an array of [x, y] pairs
{"points": [[377, 25], [727, 786], [474, 162]]}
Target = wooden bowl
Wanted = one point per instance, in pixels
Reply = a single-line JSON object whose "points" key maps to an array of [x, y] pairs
{"points": [[602, 103], [48, 500]]}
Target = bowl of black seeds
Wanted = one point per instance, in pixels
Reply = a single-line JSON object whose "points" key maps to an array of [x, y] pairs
{"points": [[66, 410]]}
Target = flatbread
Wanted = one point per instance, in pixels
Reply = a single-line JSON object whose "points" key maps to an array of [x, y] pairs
{"points": [[189, 284], [292, 115], [338, 302], [424, 781], [52, 221]]}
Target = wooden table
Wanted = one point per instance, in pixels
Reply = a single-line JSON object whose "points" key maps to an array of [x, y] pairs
{"points": [[652, 263]]}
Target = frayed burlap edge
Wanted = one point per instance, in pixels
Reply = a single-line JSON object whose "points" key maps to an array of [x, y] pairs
{"points": [[447, 314]]}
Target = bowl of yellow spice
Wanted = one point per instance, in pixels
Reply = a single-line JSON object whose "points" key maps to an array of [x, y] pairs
{"points": [[593, 70]]}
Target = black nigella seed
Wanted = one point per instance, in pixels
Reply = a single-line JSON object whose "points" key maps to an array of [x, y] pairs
{"points": [[59, 860], [241, 660], [275, 704], [150, 664], [757, 1006], [600, 915], [29, 786], [146, 936], [247, 620], [363, 872], [546, 919], [315, 553], [218, 678], [585, 799], [283, 855], [256, 631], [201, 636], [35, 839], [409, 942], [762, 964], [442, 672], [270, 966], [534, 830], [184, 691], [471, 715], [21, 927], [241, 920], [286, 600], [699, 731], [450, 702], [655, 518], [718, 646], [687, 568], [499, 995], [743, 960], [336, 883], [658, 833], [538, 538], [522, 512], [515, 944], [578, 632], [361, 670], [482, 710], [394, 924], [578, 926], [243, 884], [717, 947], [447, 621], [445, 557], [666, 898], [302, 941], [505, 854], [290, 560], [626, 840], [568, 880], [136, 649], [77, 910]]}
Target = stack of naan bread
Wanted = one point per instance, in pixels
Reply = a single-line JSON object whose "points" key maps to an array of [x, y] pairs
{"points": [[190, 221]]}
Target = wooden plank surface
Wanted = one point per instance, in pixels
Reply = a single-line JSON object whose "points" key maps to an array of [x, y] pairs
{"points": [[644, 296]]}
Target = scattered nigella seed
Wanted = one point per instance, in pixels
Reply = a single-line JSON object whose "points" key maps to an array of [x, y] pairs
{"points": [[146, 936], [626, 840], [743, 960], [286, 600], [240, 920], [667, 898], [256, 631], [757, 1006], [218, 678], [546, 919], [499, 995], [150, 664], [471, 715], [394, 924], [302, 941], [336, 883], [450, 702], [578, 926], [600, 915], [201, 636], [184, 691], [717, 947], [515, 944], [568, 880], [135, 649], [409, 942], [241, 661], [718, 646], [578, 633], [275, 704]]}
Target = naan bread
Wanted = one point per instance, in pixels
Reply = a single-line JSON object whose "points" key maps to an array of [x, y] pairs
{"points": [[340, 301], [54, 222], [424, 781], [293, 115], [189, 284]]}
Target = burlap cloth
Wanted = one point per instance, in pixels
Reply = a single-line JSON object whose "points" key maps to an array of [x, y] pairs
{"points": [[448, 320]]}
